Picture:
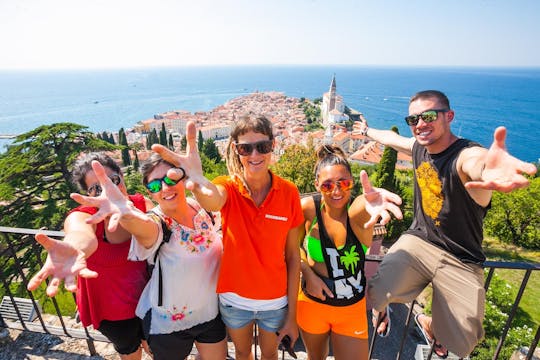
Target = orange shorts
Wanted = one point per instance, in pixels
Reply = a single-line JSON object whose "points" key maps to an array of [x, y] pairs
{"points": [[317, 318]]}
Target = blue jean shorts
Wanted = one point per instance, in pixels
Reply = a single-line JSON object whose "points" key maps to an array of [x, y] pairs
{"points": [[235, 318]]}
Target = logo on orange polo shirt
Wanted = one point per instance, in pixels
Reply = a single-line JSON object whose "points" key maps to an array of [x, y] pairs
{"points": [[275, 217]]}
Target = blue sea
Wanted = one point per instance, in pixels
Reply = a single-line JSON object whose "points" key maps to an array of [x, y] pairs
{"points": [[483, 98]]}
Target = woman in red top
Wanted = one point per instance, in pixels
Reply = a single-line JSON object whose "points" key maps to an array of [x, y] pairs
{"points": [[108, 301]]}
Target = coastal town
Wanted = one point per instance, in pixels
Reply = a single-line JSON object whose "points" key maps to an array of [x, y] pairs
{"points": [[288, 117]]}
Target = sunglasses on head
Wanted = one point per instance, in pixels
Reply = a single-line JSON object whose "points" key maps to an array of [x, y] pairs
{"points": [[427, 116], [329, 186], [156, 185], [246, 149], [96, 189]]}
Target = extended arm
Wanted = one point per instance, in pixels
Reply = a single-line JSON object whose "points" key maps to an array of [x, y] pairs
{"points": [[67, 259], [483, 170], [210, 196], [315, 286], [292, 260], [385, 137]]}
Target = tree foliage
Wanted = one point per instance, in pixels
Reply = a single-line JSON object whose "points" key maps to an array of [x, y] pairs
{"points": [[35, 174], [163, 135], [387, 167], [515, 217], [151, 139], [200, 141], [297, 164], [122, 140], [385, 177], [211, 150]]}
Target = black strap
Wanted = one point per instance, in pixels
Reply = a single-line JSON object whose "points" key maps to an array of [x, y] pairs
{"points": [[166, 236]]}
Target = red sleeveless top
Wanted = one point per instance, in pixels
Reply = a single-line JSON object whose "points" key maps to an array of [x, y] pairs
{"points": [[114, 294]]}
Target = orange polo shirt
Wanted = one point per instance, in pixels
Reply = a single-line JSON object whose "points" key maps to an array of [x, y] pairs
{"points": [[253, 263]]}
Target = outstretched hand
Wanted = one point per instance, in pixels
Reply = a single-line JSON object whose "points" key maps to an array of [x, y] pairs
{"points": [[64, 262], [502, 171], [379, 202], [111, 202], [190, 162]]}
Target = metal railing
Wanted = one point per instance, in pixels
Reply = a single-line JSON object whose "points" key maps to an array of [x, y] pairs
{"points": [[21, 256]]}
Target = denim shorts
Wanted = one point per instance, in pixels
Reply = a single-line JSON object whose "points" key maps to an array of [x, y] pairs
{"points": [[234, 318]]}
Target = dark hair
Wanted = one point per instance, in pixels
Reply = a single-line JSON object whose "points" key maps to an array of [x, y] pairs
{"points": [[245, 123], [330, 155], [426, 94], [150, 164], [83, 165]]}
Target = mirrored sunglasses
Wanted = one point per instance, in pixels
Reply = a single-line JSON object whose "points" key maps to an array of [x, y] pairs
{"points": [[246, 149], [156, 185], [427, 116], [96, 189], [328, 186]]}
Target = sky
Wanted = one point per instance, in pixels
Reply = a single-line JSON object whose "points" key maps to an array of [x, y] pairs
{"points": [[65, 34]]}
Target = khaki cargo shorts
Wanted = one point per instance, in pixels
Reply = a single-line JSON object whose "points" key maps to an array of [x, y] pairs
{"points": [[458, 290]]}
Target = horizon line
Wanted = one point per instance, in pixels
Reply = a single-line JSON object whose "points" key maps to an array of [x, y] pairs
{"points": [[142, 67]]}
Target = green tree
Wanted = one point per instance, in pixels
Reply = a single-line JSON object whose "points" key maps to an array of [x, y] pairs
{"points": [[122, 140], [297, 164], [163, 135], [151, 139], [183, 143], [211, 151], [385, 177], [514, 218], [387, 166], [212, 169], [35, 174], [136, 163], [200, 141]]}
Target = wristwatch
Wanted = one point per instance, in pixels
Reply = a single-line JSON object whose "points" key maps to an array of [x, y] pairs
{"points": [[364, 131]]}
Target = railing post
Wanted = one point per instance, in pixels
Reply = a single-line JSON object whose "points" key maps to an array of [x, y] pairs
{"points": [[512, 313], [533, 345]]}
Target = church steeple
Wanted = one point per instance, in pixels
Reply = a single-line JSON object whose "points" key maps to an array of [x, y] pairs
{"points": [[332, 94]]}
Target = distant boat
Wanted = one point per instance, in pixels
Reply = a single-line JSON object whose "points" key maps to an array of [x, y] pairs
{"points": [[385, 99], [96, 102]]}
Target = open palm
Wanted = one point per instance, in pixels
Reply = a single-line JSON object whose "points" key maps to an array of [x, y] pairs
{"points": [[380, 203], [64, 262]]}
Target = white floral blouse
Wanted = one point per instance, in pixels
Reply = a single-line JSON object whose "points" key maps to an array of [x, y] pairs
{"points": [[189, 266]]}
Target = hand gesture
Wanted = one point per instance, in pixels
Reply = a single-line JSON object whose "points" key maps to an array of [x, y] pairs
{"points": [[64, 262], [190, 162], [502, 171], [111, 202], [315, 286], [360, 127], [379, 202]]}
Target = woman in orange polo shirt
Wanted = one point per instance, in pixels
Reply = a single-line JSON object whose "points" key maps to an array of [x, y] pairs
{"points": [[261, 221]]}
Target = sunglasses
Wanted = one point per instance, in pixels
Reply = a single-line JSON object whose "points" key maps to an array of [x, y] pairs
{"points": [[156, 185], [246, 149], [96, 189], [428, 116], [328, 186]]}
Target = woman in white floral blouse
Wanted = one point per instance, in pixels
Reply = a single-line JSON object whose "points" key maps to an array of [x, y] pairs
{"points": [[179, 305]]}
